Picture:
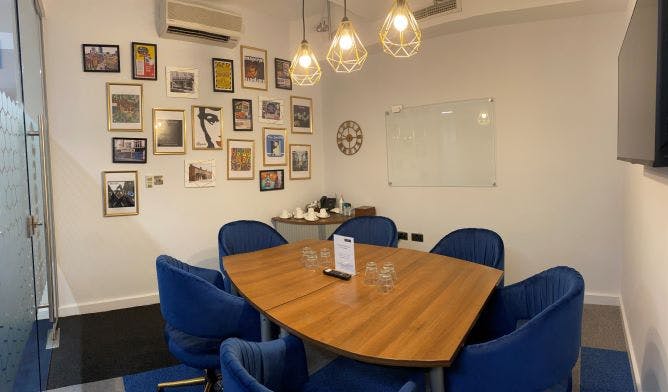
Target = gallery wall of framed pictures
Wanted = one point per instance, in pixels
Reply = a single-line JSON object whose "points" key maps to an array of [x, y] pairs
{"points": [[188, 123]]}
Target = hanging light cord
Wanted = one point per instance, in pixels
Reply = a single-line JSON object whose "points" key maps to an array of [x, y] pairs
{"points": [[303, 21], [345, 9]]}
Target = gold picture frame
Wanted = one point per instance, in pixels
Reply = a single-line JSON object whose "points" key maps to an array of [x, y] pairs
{"points": [[254, 68], [301, 120], [124, 108], [274, 146], [240, 159], [165, 132], [200, 136], [300, 161], [118, 197]]}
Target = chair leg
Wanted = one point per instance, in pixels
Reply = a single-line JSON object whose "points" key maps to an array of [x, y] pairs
{"points": [[182, 383]]}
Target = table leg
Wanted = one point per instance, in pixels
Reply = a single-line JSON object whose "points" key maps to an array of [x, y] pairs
{"points": [[436, 379], [283, 333], [265, 328]]}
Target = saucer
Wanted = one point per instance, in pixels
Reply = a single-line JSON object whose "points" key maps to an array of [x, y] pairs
{"points": [[322, 216], [315, 218], [298, 217]]}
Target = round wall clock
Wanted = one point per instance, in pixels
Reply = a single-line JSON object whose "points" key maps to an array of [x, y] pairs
{"points": [[349, 137]]}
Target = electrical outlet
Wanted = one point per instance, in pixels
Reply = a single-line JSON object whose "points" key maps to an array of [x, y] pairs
{"points": [[403, 235], [417, 237]]}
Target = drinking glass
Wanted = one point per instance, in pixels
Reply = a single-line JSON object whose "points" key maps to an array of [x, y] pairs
{"points": [[385, 282], [311, 261], [325, 258], [305, 250], [388, 267], [371, 273]]}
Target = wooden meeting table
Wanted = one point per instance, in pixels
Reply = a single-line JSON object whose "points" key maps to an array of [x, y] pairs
{"points": [[421, 323]]}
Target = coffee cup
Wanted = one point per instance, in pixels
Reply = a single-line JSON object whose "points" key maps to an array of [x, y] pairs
{"points": [[323, 213], [285, 214], [311, 211]]}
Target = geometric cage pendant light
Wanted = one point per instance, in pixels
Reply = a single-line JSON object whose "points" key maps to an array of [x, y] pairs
{"points": [[400, 34], [304, 69], [346, 52]]}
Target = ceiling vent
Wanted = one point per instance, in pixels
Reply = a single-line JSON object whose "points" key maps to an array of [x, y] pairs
{"points": [[439, 7], [198, 23]]}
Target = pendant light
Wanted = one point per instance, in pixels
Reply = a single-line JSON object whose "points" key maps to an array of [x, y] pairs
{"points": [[400, 34], [304, 69], [346, 53]]}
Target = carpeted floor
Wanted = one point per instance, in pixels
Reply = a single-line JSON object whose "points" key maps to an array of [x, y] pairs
{"points": [[124, 351]]}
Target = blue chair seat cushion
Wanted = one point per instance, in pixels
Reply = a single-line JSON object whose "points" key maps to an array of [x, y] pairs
{"points": [[194, 351], [347, 375]]}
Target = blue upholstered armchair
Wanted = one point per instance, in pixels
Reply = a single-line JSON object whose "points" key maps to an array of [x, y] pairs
{"points": [[280, 366], [372, 230], [480, 246], [199, 315], [245, 236], [530, 337]]}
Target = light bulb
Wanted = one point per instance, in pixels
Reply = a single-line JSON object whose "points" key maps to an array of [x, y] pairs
{"points": [[400, 22], [345, 42], [305, 60]]}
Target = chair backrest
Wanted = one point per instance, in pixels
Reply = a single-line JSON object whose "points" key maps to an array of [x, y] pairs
{"points": [[197, 307], [278, 365], [480, 246], [539, 321], [372, 230]]}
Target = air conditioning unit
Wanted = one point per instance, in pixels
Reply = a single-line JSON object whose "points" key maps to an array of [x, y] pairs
{"points": [[198, 23]]}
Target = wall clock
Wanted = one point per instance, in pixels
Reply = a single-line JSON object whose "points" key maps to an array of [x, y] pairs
{"points": [[349, 137]]}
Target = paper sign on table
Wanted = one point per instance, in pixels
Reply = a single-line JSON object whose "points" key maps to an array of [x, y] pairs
{"points": [[344, 254]]}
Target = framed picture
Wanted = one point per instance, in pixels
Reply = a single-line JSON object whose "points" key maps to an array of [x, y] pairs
{"points": [[144, 61], [223, 75], [253, 68], [124, 107], [282, 74], [200, 174], [273, 147], [182, 82], [128, 150], [271, 110], [119, 190], [101, 58], [243, 114], [271, 180], [207, 128], [240, 159], [300, 161], [301, 114], [169, 131]]}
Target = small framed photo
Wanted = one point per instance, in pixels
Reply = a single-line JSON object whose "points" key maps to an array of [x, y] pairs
{"points": [[271, 180], [169, 131], [128, 150], [271, 110], [223, 75], [243, 114], [101, 58], [207, 127], [253, 68], [273, 147], [182, 82], [300, 161], [240, 159], [301, 114], [282, 74], [144, 61], [200, 174], [119, 190], [124, 107]]}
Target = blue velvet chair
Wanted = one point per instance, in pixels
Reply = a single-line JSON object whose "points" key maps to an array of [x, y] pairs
{"points": [[280, 366], [199, 315], [480, 246], [245, 236], [372, 230], [529, 336]]}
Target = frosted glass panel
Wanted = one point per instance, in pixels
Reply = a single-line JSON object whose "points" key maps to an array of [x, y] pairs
{"points": [[444, 144]]}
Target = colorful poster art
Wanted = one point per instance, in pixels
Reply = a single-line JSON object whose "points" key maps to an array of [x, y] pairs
{"points": [[243, 114], [254, 68], [144, 61], [223, 75]]}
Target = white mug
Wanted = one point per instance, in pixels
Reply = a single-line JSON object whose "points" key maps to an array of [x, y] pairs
{"points": [[311, 211], [285, 214]]}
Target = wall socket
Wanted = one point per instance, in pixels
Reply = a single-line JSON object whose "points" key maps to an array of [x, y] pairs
{"points": [[417, 237], [403, 235]]}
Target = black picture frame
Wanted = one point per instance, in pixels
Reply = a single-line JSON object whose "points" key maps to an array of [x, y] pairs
{"points": [[134, 61], [247, 119], [117, 158], [213, 74], [274, 187], [87, 68], [284, 82]]}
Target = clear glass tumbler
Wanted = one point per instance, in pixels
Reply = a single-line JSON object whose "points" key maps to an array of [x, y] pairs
{"points": [[326, 258], [311, 261], [371, 273], [385, 282], [305, 251], [388, 267]]}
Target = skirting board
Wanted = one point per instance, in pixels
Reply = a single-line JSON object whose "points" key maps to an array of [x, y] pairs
{"points": [[601, 299], [108, 304], [632, 353]]}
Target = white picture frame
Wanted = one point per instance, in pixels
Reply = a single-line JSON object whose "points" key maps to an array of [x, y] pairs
{"points": [[182, 82]]}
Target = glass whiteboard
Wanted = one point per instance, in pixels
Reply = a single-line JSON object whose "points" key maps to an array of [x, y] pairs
{"points": [[444, 144]]}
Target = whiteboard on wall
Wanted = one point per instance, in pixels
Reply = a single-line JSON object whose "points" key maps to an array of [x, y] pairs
{"points": [[443, 144]]}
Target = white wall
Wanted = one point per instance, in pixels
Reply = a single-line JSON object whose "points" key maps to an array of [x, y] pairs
{"points": [[106, 263], [558, 200]]}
